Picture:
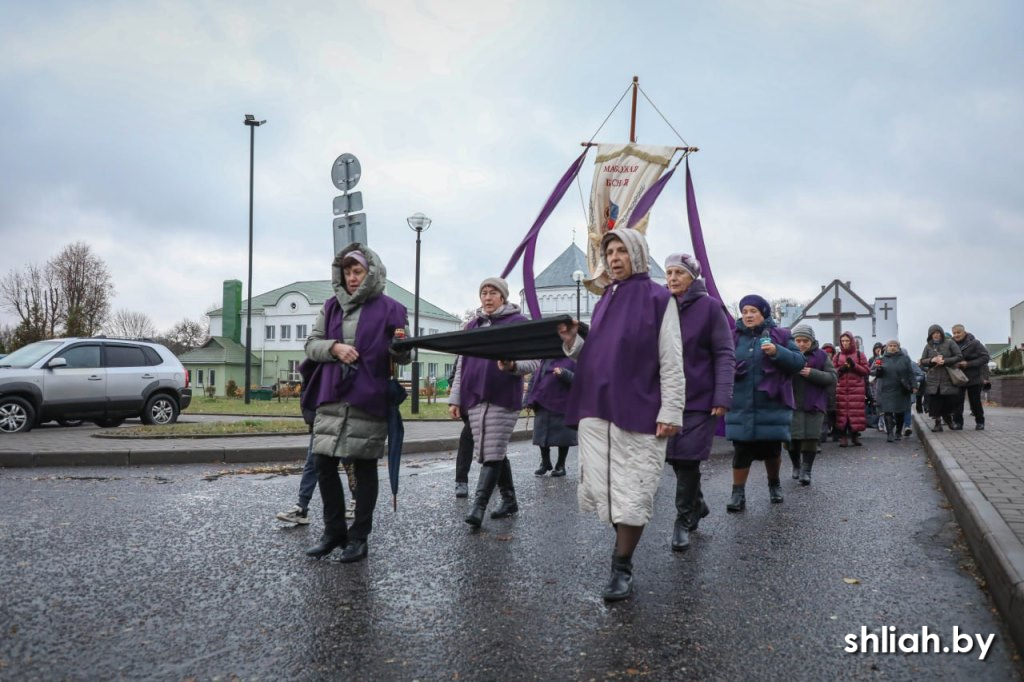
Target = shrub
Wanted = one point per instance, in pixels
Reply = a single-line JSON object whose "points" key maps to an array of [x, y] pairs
{"points": [[231, 389]]}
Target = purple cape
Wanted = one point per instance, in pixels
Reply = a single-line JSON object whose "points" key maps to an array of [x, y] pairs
{"points": [[815, 396], [548, 390], [482, 382]]}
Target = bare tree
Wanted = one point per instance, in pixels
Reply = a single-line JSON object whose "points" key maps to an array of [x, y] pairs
{"points": [[85, 289], [185, 335], [130, 324], [7, 335], [33, 295]]}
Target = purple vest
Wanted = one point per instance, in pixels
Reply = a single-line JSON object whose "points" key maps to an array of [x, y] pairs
{"points": [[815, 396], [482, 382], [363, 384], [547, 390], [709, 354], [618, 375]]}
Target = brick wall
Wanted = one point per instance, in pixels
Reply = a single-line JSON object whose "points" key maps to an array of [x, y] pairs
{"points": [[1007, 391]]}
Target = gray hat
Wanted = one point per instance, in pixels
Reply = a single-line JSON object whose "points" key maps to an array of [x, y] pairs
{"points": [[684, 261], [805, 331], [498, 283]]}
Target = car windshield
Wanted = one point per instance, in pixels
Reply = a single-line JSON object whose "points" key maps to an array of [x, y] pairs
{"points": [[29, 355]]}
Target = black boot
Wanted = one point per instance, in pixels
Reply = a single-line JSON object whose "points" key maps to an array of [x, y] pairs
{"points": [[688, 506], [794, 457], [889, 425], [355, 550], [805, 468], [545, 462], [484, 488], [937, 426], [329, 541], [620, 585], [508, 505], [559, 471], [739, 499], [775, 491]]}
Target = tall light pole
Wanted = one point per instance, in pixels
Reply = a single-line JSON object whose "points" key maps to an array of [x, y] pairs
{"points": [[419, 224], [578, 278], [250, 121]]}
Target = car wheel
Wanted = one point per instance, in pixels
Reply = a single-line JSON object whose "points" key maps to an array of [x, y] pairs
{"points": [[70, 422], [109, 423], [16, 415], [160, 409]]}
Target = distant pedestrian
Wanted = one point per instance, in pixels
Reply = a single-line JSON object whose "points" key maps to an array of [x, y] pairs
{"points": [[349, 359], [939, 354], [852, 368], [627, 398], [829, 429], [709, 365], [873, 413], [894, 381], [762, 406], [490, 394], [464, 454], [975, 365], [811, 387], [548, 395]]}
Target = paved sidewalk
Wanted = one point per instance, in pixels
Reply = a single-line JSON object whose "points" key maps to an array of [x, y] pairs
{"points": [[57, 446], [982, 474]]}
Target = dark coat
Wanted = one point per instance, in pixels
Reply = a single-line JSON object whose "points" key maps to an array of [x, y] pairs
{"points": [[976, 355], [937, 380], [807, 422], [894, 381], [853, 372]]}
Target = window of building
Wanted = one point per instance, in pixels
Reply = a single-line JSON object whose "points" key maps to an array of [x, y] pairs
{"points": [[301, 331], [269, 333], [293, 371], [212, 381], [286, 332], [432, 331], [420, 332], [448, 369], [199, 377], [432, 370]]}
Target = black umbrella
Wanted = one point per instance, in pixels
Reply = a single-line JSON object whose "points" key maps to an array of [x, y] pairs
{"points": [[533, 339], [396, 434]]}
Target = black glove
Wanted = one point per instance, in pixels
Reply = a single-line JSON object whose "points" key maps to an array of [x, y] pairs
{"points": [[879, 371], [849, 363]]}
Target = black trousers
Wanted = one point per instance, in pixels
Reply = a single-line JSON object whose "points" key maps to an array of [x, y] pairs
{"points": [[464, 456], [940, 406], [973, 395], [333, 496]]}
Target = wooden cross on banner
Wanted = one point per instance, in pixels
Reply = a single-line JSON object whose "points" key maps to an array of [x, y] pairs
{"points": [[837, 316]]}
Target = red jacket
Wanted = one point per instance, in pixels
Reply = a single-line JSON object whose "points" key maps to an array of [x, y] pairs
{"points": [[850, 390]]}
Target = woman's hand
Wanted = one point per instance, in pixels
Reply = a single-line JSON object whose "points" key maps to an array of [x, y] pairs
{"points": [[805, 372], [939, 360], [666, 430], [769, 349], [454, 412], [719, 411], [557, 371], [507, 365], [344, 352]]}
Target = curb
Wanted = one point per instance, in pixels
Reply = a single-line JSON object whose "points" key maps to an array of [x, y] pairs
{"points": [[995, 547], [220, 455]]}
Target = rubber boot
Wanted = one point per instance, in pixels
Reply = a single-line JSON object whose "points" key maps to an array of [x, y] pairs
{"points": [[889, 437], [620, 584], [508, 505], [775, 491], [559, 471], [739, 499], [687, 507], [794, 457], [545, 462], [805, 468], [484, 488]]}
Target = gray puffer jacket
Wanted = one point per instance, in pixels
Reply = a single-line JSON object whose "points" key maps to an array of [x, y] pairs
{"points": [[340, 429], [937, 380]]}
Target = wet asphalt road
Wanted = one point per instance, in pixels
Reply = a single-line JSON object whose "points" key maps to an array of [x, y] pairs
{"points": [[157, 573]]}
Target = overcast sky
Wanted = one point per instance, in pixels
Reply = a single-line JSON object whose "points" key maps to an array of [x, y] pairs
{"points": [[875, 142]]}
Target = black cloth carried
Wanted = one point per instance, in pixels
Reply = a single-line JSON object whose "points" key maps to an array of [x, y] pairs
{"points": [[530, 340]]}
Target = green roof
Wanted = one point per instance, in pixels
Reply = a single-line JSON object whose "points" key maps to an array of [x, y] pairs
{"points": [[317, 291], [995, 349], [218, 350]]}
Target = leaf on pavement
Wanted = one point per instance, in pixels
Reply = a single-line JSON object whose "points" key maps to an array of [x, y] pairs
{"points": [[851, 581]]}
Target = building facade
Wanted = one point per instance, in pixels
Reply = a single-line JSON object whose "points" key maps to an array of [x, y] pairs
{"points": [[837, 309]]}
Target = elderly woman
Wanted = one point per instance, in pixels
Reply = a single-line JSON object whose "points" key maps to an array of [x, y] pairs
{"points": [[894, 384], [762, 405], [345, 377], [852, 367], [709, 367], [490, 394], [939, 354], [549, 391], [811, 388], [627, 398]]}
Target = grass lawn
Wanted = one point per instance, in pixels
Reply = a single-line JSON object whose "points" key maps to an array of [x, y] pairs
{"points": [[289, 407], [243, 426]]}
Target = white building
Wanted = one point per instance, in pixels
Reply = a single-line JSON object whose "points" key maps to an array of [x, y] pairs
{"points": [[838, 309]]}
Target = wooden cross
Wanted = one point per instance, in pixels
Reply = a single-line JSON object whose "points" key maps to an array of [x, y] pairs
{"points": [[885, 309], [837, 316]]}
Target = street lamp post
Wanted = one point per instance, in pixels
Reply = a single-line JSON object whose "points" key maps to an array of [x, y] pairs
{"points": [[250, 121], [419, 223], [578, 278]]}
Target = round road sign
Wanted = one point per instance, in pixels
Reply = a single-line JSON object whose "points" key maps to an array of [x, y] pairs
{"points": [[345, 172]]}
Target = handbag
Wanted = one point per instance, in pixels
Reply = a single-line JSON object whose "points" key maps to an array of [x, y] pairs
{"points": [[957, 376]]}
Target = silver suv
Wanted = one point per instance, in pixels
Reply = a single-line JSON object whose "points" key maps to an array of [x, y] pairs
{"points": [[98, 379]]}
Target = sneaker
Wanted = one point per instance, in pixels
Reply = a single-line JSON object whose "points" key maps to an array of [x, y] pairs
{"points": [[294, 515]]}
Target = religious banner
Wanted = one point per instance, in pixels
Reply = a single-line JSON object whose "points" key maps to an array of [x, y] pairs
{"points": [[622, 173]]}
